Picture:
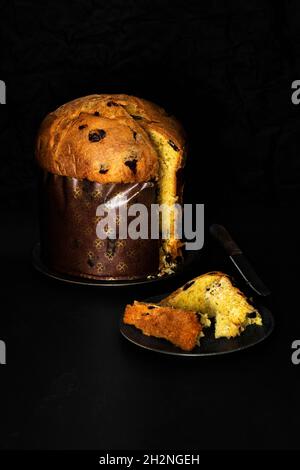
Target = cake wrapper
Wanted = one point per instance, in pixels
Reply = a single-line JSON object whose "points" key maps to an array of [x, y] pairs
{"points": [[68, 221]]}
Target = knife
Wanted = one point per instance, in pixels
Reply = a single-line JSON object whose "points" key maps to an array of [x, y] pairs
{"points": [[239, 260]]}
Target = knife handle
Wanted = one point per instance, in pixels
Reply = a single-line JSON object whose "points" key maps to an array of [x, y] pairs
{"points": [[222, 236]]}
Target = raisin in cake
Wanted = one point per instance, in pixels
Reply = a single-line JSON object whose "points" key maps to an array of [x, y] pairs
{"points": [[180, 327], [92, 149], [214, 296]]}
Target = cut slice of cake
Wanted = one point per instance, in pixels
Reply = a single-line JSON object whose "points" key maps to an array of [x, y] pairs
{"points": [[214, 296], [180, 327]]}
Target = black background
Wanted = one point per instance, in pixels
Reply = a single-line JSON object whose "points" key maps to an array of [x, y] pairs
{"points": [[225, 69]]}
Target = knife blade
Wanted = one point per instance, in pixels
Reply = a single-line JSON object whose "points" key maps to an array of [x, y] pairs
{"points": [[239, 260]]}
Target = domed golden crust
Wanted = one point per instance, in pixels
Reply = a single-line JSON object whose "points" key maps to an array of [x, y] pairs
{"points": [[106, 139]]}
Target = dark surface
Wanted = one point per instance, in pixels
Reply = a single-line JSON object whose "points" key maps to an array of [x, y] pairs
{"points": [[209, 345], [72, 381], [225, 69]]}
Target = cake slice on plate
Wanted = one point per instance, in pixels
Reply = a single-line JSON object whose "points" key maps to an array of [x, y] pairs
{"points": [[214, 296], [180, 327]]}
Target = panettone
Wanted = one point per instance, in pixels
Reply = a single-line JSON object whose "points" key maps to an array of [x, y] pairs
{"points": [[213, 295], [93, 147], [180, 327]]}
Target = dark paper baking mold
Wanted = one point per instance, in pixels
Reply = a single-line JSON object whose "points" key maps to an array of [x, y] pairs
{"points": [[68, 220]]}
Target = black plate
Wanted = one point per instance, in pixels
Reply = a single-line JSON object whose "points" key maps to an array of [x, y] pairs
{"points": [[209, 345], [38, 264]]}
